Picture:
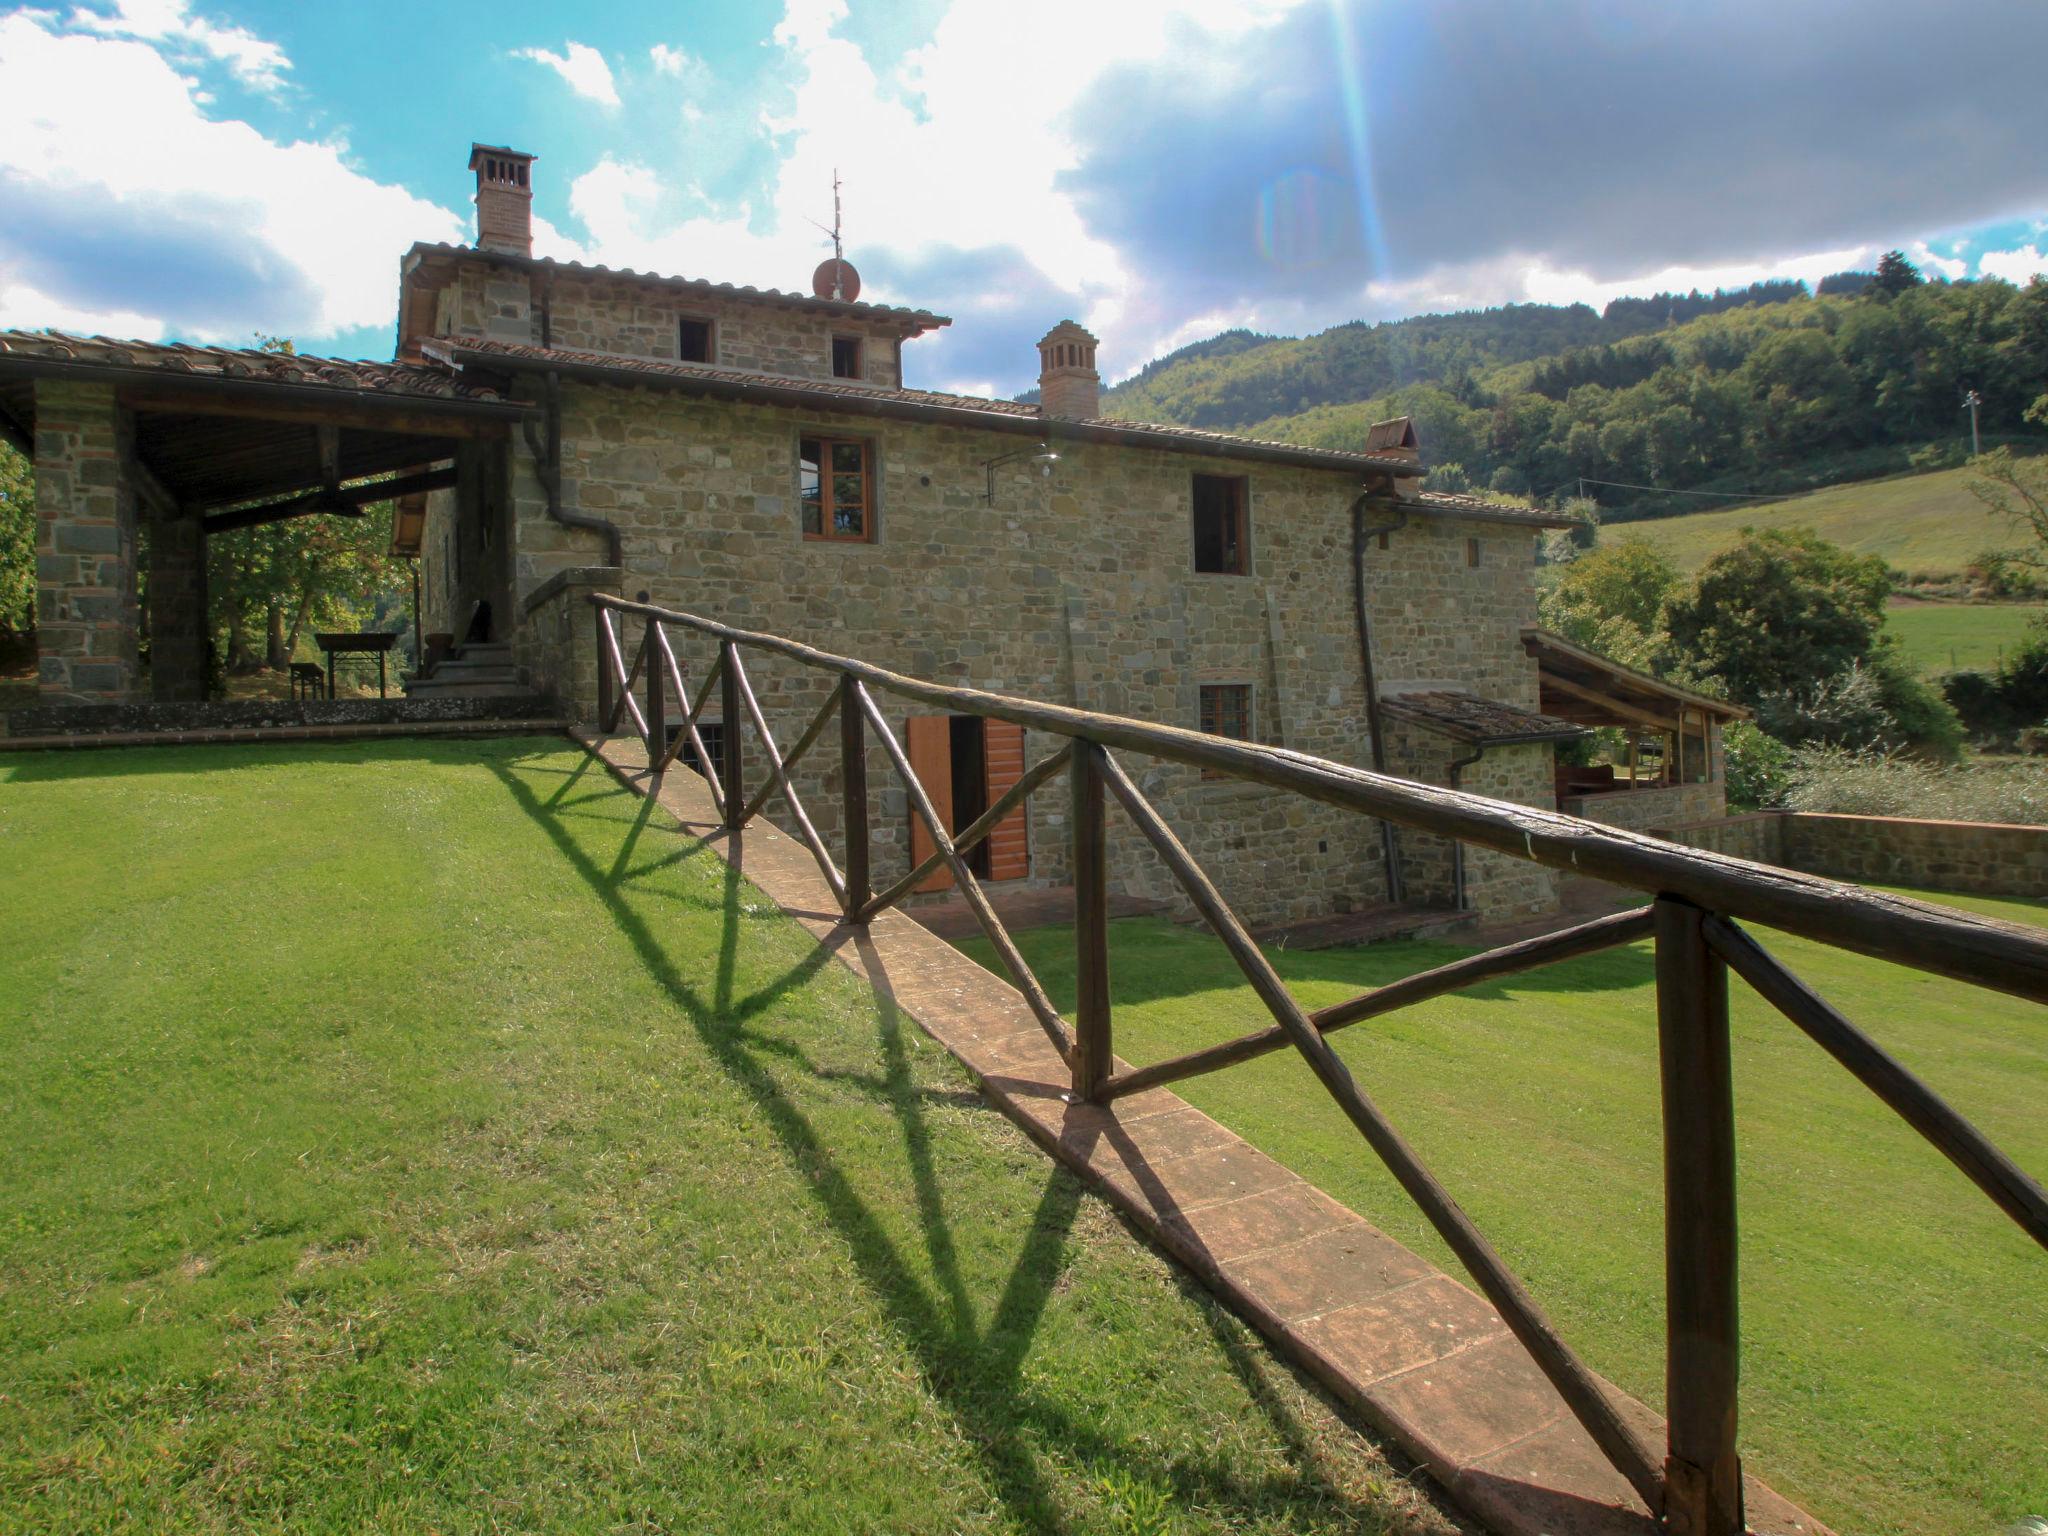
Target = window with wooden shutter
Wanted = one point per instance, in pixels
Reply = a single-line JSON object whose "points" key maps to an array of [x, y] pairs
{"points": [[1222, 547], [1226, 711], [1009, 845]]}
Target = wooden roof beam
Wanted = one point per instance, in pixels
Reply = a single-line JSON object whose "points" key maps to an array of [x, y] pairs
{"points": [[1606, 702], [348, 501], [402, 414]]}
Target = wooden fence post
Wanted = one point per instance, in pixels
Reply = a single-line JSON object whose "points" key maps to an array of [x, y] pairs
{"points": [[733, 763], [604, 673], [657, 697], [1093, 1049], [1703, 1474], [853, 774]]}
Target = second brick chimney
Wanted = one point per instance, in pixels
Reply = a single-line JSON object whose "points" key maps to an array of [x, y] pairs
{"points": [[504, 199], [1068, 384]]}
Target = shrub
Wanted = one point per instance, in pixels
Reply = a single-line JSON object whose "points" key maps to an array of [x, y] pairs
{"points": [[2014, 697], [1759, 767], [1877, 705], [1846, 783]]}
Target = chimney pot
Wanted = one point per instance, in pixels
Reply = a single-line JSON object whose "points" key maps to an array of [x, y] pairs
{"points": [[504, 198], [1068, 384]]}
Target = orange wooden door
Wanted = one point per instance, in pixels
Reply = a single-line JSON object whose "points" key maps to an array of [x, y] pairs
{"points": [[1009, 845], [931, 759]]}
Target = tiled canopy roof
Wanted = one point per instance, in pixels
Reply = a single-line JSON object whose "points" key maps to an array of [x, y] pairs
{"points": [[845, 394], [240, 364], [1447, 504], [1483, 722], [913, 320]]}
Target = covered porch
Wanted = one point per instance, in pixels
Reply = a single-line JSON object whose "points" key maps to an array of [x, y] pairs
{"points": [[142, 451], [1672, 769]]}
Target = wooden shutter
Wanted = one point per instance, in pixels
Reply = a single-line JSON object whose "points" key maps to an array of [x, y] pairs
{"points": [[931, 759], [1009, 846]]}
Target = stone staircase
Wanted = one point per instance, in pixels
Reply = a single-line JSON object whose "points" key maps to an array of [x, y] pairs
{"points": [[471, 671]]}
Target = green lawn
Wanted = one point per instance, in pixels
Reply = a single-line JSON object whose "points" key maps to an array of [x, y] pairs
{"points": [[1895, 1322], [1959, 637], [423, 1137], [1922, 524]]}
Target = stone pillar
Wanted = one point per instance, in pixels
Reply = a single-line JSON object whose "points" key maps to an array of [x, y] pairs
{"points": [[555, 641], [177, 608], [86, 614]]}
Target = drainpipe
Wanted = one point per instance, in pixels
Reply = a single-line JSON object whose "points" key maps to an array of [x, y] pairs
{"points": [[547, 463], [1458, 766], [1390, 842]]}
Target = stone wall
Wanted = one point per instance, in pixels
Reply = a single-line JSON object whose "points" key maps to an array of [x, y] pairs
{"points": [[1985, 858], [1495, 883], [634, 318], [555, 640], [1643, 810], [1078, 589], [86, 526]]}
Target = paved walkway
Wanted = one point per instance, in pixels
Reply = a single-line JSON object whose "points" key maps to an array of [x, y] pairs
{"points": [[1410, 1350]]}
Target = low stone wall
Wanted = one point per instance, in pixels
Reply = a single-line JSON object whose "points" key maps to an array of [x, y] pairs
{"points": [[254, 714], [555, 640], [1980, 858], [1643, 810]]}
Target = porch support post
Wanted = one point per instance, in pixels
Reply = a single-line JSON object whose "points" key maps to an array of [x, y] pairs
{"points": [[177, 607], [86, 613]]}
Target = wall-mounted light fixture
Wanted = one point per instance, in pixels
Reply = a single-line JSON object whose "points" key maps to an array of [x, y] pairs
{"points": [[1042, 456]]}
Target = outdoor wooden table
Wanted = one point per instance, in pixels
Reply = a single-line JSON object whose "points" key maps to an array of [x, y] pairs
{"points": [[365, 641]]}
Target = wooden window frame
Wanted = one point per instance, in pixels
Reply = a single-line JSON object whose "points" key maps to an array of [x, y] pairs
{"points": [[860, 357], [1241, 516], [870, 473], [710, 324], [1472, 554], [1203, 693]]}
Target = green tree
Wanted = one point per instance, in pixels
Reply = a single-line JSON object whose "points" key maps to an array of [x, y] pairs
{"points": [[2017, 490], [1611, 599], [1783, 610], [17, 541], [1895, 274]]}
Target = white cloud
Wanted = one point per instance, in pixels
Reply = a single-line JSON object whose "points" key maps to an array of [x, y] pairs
{"points": [[669, 61], [582, 66], [22, 308], [110, 126], [252, 60], [2019, 265]]}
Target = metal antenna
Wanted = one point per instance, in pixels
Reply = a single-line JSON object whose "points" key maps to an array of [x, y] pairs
{"points": [[838, 250], [1970, 403]]}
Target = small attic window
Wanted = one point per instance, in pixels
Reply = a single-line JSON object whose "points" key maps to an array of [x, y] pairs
{"points": [[693, 340], [846, 357]]}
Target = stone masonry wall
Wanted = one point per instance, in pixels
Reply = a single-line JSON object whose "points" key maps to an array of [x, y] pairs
{"points": [[1495, 884], [1756, 836], [556, 639], [1079, 589], [1984, 857], [633, 318], [86, 611], [1644, 810]]}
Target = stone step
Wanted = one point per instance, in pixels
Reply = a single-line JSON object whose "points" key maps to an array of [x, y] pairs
{"points": [[466, 688], [475, 672]]}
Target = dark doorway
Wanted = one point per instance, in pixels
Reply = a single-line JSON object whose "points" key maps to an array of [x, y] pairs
{"points": [[970, 783]]}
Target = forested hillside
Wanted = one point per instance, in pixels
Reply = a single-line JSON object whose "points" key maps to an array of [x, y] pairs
{"points": [[1762, 389]]}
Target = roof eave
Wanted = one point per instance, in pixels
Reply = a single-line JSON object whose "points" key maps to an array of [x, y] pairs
{"points": [[768, 391], [12, 366]]}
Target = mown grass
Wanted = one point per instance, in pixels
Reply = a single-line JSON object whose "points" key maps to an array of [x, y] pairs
{"points": [[1925, 525], [1895, 1323], [1940, 638], [424, 1137]]}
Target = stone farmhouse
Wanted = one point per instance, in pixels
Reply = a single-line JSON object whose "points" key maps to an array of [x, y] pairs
{"points": [[549, 429]]}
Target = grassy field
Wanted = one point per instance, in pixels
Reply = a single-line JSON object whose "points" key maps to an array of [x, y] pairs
{"points": [[1895, 1323], [420, 1138], [1922, 524], [1966, 637]]}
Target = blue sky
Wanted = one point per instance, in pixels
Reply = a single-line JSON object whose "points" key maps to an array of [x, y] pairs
{"points": [[1158, 169]]}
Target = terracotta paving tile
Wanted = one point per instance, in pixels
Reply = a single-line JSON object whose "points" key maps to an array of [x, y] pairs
{"points": [[1559, 1474], [1274, 1219], [1185, 1184], [1425, 1320], [1334, 1269], [1470, 1404]]}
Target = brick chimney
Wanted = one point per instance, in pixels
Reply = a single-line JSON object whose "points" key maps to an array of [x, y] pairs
{"points": [[1068, 384], [504, 199]]}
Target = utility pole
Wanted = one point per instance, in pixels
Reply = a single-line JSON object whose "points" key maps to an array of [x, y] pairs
{"points": [[1970, 402]]}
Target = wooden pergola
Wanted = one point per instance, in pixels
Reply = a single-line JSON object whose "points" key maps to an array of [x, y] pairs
{"points": [[1589, 689]]}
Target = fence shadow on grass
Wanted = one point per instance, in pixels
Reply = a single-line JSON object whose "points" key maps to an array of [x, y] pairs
{"points": [[976, 1371]]}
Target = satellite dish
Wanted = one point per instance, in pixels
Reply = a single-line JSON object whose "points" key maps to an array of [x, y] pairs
{"points": [[836, 272]]}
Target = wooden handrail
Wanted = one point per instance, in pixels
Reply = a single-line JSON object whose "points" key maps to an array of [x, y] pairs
{"points": [[779, 775], [1943, 940]]}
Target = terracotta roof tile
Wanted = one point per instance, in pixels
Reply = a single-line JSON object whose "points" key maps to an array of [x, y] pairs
{"points": [[920, 319], [1468, 717], [827, 392], [242, 363]]}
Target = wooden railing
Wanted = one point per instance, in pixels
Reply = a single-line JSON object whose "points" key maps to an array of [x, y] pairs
{"points": [[1693, 1482]]}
